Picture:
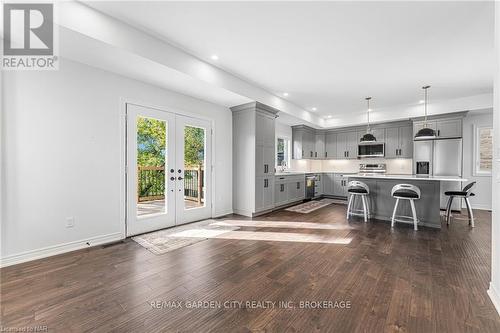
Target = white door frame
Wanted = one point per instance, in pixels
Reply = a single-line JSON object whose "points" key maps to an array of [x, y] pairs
{"points": [[123, 147]]}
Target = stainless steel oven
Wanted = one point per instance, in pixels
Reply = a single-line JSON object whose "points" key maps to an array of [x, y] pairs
{"points": [[371, 149]]}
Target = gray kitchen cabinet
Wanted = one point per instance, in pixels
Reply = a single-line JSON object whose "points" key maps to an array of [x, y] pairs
{"points": [[328, 184], [264, 193], [288, 189], [330, 145], [347, 145], [303, 142], [405, 142], [379, 134], [340, 185], [253, 158], [445, 127], [319, 145], [280, 193], [398, 142], [449, 128], [264, 160]]}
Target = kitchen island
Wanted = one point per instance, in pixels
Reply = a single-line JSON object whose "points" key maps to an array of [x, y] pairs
{"points": [[381, 202]]}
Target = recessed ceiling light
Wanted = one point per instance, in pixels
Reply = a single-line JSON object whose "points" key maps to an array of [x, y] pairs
{"points": [[314, 109], [214, 57], [285, 94], [421, 101], [328, 117], [369, 109]]}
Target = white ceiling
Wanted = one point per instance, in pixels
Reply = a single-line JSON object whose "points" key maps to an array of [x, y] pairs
{"points": [[330, 55]]}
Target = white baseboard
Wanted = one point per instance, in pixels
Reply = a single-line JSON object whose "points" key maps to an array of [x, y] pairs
{"points": [[58, 249], [495, 297], [481, 207], [223, 213]]}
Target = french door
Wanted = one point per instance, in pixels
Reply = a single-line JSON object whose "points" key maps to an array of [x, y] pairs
{"points": [[168, 169]]}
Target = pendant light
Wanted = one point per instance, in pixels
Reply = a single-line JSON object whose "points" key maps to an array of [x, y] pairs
{"points": [[425, 133], [368, 137]]}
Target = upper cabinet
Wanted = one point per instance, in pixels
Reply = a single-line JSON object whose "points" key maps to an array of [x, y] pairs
{"points": [[398, 142], [309, 143], [303, 142], [330, 145], [319, 145], [347, 145], [446, 128]]}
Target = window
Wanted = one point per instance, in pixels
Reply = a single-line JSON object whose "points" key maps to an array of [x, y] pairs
{"points": [[483, 150], [282, 152]]}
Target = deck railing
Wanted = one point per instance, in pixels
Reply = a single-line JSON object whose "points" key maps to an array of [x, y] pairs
{"points": [[151, 183]]}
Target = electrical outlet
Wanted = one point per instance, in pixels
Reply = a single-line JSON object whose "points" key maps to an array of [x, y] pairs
{"points": [[70, 222]]}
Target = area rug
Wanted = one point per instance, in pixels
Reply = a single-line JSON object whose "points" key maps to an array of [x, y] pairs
{"points": [[166, 240], [310, 206]]}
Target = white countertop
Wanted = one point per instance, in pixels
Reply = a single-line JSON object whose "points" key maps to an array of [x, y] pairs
{"points": [[411, 177]]}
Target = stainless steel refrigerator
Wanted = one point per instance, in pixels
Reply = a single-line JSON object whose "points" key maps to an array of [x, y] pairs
{"points": [[445, 159]]}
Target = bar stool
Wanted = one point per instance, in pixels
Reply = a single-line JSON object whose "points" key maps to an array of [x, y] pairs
{"points": [[405, 192], [354, 189], [464, 194]]}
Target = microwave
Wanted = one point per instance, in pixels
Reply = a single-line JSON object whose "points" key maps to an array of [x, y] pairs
{"points": [[371, 149]]}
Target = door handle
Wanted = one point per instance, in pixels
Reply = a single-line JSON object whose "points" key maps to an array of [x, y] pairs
{"points": [[180, 178], [179, 171], [172, 178], [172, 170]]}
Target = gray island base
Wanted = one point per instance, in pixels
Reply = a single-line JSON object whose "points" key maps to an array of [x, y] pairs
{"points": [[381, 202]]}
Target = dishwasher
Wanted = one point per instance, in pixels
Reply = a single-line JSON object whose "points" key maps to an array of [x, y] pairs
{"points": [[310, 186]]}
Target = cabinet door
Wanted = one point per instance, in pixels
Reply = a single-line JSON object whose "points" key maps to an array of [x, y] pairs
{"points": [[449, 128], [280, 193], [338, 185], [392, 142], [269, 160], [331, 145], [319, 150], [405, 142], [342, 145], [310, 144], [259, 193], [260, 129], [298, 144], [268, 192], [260, 168], [269, 135], [352, 145], [328, 183], [419, 125]]}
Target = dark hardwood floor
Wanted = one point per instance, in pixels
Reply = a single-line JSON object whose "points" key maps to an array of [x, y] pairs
{"points": [[399, 280]]}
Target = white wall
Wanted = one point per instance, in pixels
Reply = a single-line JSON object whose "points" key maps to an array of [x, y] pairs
{"points": [[482, 190], [494, 290], [62, 141]]}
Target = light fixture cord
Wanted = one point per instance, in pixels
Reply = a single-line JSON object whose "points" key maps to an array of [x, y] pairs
{"points": [[425, 104], [368, 112]]}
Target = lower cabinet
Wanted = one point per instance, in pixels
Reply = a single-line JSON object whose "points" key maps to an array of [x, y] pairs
{"points": [[340, 185], [328, 181], [264, 187], [288, 189]]}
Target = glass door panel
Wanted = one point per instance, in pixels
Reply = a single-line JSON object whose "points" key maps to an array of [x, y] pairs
{"points": [[194, 167], [194, 150], [150, 160]]}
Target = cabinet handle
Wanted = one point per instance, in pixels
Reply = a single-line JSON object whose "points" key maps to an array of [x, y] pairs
{"points": [[439, 132], [282, 187], [326, 154], [311, 153], [266, 182], [315, 154], [298, 185], [302, 152]]}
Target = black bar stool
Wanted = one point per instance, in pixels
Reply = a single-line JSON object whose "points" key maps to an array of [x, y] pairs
{"points": [[464, 194], [405, 192], [356, 188]]}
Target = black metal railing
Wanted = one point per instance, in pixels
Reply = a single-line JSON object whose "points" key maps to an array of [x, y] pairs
{"points": [[151, 183]]}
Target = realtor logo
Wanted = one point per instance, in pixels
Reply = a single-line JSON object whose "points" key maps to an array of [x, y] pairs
{"points": [[28, 42]]}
